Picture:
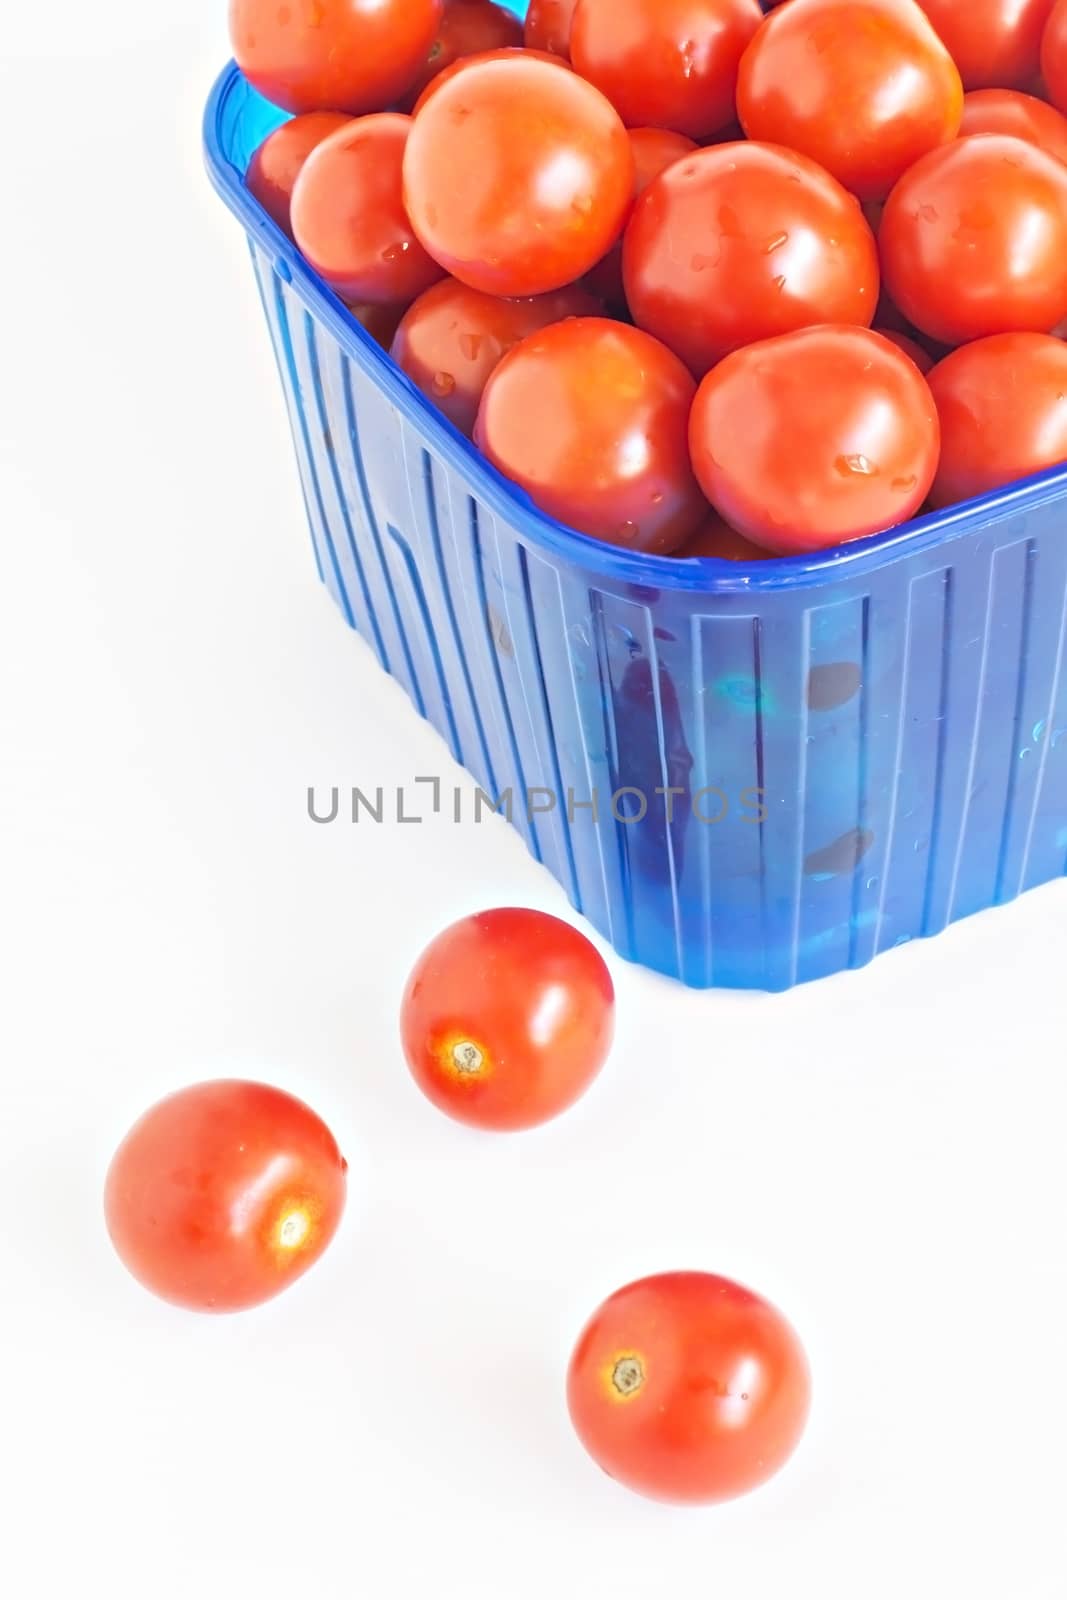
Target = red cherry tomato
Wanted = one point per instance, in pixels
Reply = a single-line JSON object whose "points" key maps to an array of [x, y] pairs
{"points": [[548, 26], [349, 218], [468, 28], [995, 43], [864, 87], [717, 541], [223, 1194], [974, 240], [654, 149], [911, 347], [815, 438], [665, 63], [741, 242], [453, 337], [589, 417], [507, 54], [1020, 115], [1003, 409], [332, 55], [273, 169], [689, 1388], [1054, 56], [517, 175], [507, 1018]]}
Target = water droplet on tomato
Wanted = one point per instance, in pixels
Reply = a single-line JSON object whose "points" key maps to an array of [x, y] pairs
{"points": [[857, 464], [442, 383]]}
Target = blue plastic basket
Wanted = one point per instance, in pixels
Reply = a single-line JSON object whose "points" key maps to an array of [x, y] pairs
{"points": [[863, 746]]}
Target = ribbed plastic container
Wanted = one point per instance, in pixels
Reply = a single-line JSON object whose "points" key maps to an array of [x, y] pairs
{"points": [[863, 746]]}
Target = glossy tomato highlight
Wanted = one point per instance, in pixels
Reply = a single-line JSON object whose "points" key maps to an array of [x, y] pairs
{"points": [[349, 219], [654, 149], [507, 1018], [1003, 409], [863, 87], [995, 43], [452, 339], [1020, 115], [332, 55], [687, 1387], [973, 240], [517, 176], [223, 1194], [665, 63], [590, 418], [815, 438], [468, 27], [743, 241]]}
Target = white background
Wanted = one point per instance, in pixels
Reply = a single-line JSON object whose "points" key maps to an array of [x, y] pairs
{"points": [[882, 1154]]}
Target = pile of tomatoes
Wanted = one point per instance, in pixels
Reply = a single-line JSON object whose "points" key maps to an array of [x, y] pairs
{"points": [[703, 277]]}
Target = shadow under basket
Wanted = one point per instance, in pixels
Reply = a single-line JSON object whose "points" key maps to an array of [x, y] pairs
{"points": [[743, 775]]}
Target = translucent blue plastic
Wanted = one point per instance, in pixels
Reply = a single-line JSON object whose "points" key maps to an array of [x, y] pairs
{"points": [[862, 746]]}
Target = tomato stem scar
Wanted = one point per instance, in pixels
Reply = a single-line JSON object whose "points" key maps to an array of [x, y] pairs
{"points": [[628, 1375], [467, 1057]]}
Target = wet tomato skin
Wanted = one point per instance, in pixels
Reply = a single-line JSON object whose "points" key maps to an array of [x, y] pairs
{"points": [[223, 1194], [1003, 408], [507, 1018], [349, 219], [741, 242], [665, 63], [863, 88], [548, 26], [815, 438], [689, 1388], [518, 175], [468, 27], [332, 55], [995, 43], [275, 165], [653, 150], [973, 240], [1022, 116], [508, 53], [590, 418], [452, 338]]}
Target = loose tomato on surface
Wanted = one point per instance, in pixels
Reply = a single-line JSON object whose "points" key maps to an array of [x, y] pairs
{"points": [[507, 1018], [349, 219], [1054, 55], [717, 540], [274, 167], [517, 176], [1022, 116], [1003, 409], [653, 149], [864, 87], [973, 240], [687, 1387], [223, 1194], [743, 241], [665, 63], [548, 26], [332, 55], [815, 438], [911, 347], [468, 28], [590, 417], [452, 338], [995, 43]]}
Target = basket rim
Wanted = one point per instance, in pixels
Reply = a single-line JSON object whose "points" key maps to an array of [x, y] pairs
{"points": [[860, 559]]}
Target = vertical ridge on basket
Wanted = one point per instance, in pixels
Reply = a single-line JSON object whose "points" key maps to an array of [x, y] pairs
{"points": [[936, 820], [566, 839], [458, 646], [788, 640], [665, 774], [329, 428], [265, 283], [863, 762], [1045, 853], [1014, 753], [1045, 640], [624, 899], [904, 596], [526, 823], [447, 725], [352, 459]]}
